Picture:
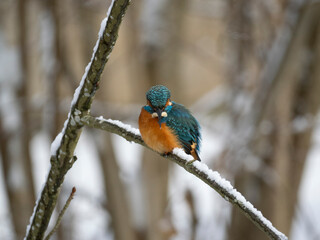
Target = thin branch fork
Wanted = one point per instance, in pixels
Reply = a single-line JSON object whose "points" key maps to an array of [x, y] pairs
{"points": [[200, 170]]}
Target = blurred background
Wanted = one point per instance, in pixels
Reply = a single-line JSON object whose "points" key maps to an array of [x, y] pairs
{"points": [[248, 70]]}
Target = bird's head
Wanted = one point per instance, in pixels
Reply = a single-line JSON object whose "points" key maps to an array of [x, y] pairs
{"points": [[158, 102]]}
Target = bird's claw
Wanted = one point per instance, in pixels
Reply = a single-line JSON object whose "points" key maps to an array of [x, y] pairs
{"points": [[165, 154]]}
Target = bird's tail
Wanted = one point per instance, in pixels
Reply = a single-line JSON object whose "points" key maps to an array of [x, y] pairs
{"points": [[195, 154]]}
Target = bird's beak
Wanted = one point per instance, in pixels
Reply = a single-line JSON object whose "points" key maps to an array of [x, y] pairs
{"points": [[159, 112]]}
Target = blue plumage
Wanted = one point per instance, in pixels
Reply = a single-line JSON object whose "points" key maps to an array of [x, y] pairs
{"points": [[176, 117], [185, 126], [158, 96]]}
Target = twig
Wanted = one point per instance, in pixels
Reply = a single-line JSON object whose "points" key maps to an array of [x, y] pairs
{"points": [[199, 169], [62, 213]]}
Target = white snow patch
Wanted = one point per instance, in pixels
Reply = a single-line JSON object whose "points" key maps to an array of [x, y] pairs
{"points": [[103, 26], [213, 175], [56, 143], [104, 21], [77, 91], [182, 154], [120, 124]]}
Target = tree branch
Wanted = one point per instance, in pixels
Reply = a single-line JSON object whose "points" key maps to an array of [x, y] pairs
{"points": [[200, 170], [63, 146], [64, 209]]}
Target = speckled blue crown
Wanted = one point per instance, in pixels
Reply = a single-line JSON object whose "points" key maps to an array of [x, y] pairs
{"points": [[158, 96]]}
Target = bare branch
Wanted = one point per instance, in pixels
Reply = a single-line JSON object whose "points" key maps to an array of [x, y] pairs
{"points": [[200, 170], [73, 191], [62, 148]]}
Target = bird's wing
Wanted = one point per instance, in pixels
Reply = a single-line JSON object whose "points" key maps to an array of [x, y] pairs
{"points": [[186, 127]]}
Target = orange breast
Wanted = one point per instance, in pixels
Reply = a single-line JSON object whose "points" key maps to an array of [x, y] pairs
{"points": [[162, 140]]}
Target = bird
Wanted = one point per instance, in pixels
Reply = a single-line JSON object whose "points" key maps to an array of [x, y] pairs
{"points": [[165, 124]]}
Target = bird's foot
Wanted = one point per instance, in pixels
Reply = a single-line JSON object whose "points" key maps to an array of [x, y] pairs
{"points": [[166, 154]]}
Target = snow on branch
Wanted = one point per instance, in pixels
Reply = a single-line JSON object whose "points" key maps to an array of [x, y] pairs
{"points": [[63, 146], [199, 169]]}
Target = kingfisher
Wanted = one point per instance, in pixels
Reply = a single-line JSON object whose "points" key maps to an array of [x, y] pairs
{"points": [[165, 124]]}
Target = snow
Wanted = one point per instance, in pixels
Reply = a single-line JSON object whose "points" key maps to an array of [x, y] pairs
{"points": [[32, 216], [120, 124], [103, 26], [215, 176], [182, 154], [35, 206], [211, 210], [100, 35], [57, 142], [39, 145], [86, 176], [77, 91], [104, 21], [212, 175], [73, 120]]}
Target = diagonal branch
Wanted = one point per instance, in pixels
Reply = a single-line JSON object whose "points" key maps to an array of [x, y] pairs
{"points": [[63, 146], [200, 170]]}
